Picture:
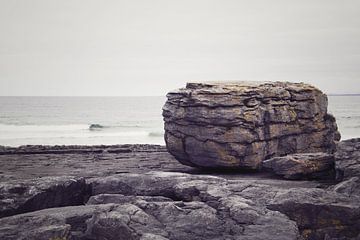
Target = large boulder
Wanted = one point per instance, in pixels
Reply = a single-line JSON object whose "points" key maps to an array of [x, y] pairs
{"points": [[240, 124]]}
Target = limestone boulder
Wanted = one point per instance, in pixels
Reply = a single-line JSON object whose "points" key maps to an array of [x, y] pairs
{"points": [[240, 124]]}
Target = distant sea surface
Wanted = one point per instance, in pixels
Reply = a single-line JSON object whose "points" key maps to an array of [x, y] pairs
{"points": [[113, 120]]}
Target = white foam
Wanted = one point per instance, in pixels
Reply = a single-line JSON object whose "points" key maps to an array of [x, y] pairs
{"points": [[42, 128], [16, 135]]}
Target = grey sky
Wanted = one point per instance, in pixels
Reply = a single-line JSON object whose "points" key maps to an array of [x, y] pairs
{"points": [[148, 47]]}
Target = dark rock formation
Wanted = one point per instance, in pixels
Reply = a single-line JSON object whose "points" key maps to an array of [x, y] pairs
{"points": [[320, 214], [50, 224], [96, 126], [303, 165], [348, 159], [238, 125], [19, 196], [158, 205], [183, 206]]}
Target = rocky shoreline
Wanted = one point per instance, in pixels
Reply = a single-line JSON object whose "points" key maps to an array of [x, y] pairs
{"points": [[142, 192]]}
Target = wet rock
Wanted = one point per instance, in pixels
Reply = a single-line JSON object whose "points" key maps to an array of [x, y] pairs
{"points": [[303, 166], [238, 125], [95, 126], [30, 195]]}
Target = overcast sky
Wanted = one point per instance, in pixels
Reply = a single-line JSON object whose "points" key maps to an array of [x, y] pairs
{"points": [[148, 47]]}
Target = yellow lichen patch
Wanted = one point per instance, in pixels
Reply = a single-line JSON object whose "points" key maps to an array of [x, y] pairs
{"points": [[306, 233], [338, 224], [313, 166], [223, 154], [293, 115]]}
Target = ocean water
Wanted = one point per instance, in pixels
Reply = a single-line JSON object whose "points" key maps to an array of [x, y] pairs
{"points": [[81, 120], [346, 110], [113, 120]]}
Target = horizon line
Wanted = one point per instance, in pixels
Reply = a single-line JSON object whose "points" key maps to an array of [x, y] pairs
{"points": [[329, 94], [82, 96]]}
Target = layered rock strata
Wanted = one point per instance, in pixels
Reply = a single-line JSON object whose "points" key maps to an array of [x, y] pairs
{"points": [[238, 125]]}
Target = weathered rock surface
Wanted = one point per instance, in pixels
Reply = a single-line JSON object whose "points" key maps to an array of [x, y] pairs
{"points": [[53, 223], [320, 214], [139, 203], [159, 205], [238, 125], [303, 166], [19, 196], [348, 159], [195, 207], [317, 212]]}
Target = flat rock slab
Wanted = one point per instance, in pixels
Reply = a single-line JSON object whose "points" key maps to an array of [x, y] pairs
{"points": [[303, 166], [237, 125], [28, 162]]}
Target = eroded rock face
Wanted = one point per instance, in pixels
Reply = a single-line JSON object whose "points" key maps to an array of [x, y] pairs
{"points": [[238, 125], [21, 196]]}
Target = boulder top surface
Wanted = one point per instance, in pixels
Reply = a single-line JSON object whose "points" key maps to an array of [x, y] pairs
{"points": [[240, 85]]}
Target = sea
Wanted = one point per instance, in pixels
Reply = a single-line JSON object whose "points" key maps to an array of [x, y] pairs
{"points": [[113, 120]]}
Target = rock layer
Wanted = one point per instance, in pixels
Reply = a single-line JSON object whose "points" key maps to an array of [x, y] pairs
{"points": [[238, 125]]}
